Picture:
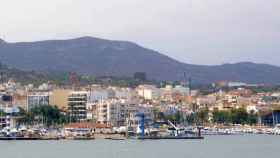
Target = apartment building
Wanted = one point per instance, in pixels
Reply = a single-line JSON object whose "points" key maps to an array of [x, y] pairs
{"points": [[36, 99], [77, 105], [111, 112]]}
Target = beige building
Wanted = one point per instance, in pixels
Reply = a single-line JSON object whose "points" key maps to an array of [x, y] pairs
{"points": [[59, 97], [20, 100]]}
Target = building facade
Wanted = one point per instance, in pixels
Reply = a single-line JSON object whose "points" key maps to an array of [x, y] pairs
{"points": [[77, 106], [111, 112], [37, 99], [59, 97]]}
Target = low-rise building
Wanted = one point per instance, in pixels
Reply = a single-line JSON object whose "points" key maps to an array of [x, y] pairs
{"points": [[148, 92]]}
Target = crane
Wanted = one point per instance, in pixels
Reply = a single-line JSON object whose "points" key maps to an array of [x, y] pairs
{"points": [[142, 123]]}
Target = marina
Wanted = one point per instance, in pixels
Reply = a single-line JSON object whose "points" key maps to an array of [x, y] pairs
{"points": [[173, 132]]}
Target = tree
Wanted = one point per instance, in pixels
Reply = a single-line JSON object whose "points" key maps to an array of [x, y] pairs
{"points": [[235, 116], [47, 114], [178, 117], [239, 116], [171, 118], [190, 118], [221, 117], [202, 116], [252, 118], [158, 115], [2, 113]]}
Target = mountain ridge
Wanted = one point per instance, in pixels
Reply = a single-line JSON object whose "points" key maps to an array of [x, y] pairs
{"points": [[102, 57]]}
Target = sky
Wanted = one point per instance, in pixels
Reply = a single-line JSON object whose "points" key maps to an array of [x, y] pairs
{"points": [[207, 32]]}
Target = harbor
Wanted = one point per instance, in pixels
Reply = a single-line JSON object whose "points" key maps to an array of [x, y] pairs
{"points": [[83, 131]]}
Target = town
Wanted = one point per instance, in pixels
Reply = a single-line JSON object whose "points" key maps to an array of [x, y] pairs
{"points": [[139, 78], [112, 112]]}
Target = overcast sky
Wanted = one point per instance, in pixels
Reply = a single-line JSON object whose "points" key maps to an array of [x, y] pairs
{"points": [[193, 31]]}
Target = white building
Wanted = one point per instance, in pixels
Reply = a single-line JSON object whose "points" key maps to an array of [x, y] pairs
{"points": [[236, 84], [123, 93], [182, 90], [148, 92], [98, 95], [111, 112], [37, 99]]}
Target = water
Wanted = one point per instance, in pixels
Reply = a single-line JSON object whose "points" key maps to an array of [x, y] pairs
{"points": [[260, 146]]}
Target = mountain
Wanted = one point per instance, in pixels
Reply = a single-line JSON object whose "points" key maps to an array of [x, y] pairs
{"points": [[100, 57]]}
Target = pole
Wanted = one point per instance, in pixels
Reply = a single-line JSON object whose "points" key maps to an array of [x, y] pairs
{"points": [[273, 119], [142, 127]]}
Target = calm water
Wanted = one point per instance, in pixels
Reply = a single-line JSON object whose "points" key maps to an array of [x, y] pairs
{"points": [[212, 147]]}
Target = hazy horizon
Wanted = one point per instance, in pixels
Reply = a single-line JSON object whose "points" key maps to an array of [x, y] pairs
{"points": [[192, 31]]}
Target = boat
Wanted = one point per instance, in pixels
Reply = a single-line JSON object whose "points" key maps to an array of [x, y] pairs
{"points": [[173, 132], [81, 134]]}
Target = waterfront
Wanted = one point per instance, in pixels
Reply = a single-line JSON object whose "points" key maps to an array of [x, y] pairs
{"points": [[236, 146]]}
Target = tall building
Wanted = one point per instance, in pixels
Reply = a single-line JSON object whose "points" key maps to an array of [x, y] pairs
{"points": [[37, 99], [77, 105], [111, 112]]}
